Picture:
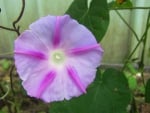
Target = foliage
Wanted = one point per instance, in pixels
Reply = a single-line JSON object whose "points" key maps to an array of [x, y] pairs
{"points": [[103, 96], [5, 64], [147, 92], [113, 90], [95, 16]]}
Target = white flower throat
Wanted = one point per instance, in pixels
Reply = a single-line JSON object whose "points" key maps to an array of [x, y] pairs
{"points": [[57, 57]]}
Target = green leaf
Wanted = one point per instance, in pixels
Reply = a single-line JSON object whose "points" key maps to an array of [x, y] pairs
{"points": [[147, 92], [108, 94], [95, 17]]}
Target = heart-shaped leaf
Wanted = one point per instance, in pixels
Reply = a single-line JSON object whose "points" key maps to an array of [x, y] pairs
{"points": [[94, 16], [108, 94], [147, 92]]}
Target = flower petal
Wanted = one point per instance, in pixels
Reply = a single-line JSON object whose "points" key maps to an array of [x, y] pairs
{"points": [[46, 82], [56, 37], [75, 78], [74, 34], [28, 41], [86, 64], [44, 29], [38, 52], [82, 50], [85, 73], [61, 88], [35, 85], [27, 65], [34, 54]]}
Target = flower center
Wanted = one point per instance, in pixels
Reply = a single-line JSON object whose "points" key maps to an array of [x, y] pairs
{"points": [[58, 57]]}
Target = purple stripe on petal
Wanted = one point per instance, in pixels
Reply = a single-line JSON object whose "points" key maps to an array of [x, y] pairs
{"points": [[46, 82], [56, 38], [35, 54], [83, 49], [74, 76]]}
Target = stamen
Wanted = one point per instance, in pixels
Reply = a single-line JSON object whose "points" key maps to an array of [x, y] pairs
{"points": [[57, 57], [56, 38], [84, 49], [35, 54], [75, 78], [45, 83]]}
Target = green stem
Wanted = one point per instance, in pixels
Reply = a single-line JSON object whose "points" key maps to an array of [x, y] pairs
{"points": [[127, 25], [130, 8], [8, 89], [129, 57], [141, 64], [145, 38]]}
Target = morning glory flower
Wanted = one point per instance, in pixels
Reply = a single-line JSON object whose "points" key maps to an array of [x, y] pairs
{"points": [[56, 58]]}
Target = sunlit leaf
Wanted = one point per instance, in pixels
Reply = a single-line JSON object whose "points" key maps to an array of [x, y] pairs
{"points": [[108, 94], [95, 16]]}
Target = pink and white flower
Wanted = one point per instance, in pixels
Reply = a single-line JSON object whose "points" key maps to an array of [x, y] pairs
{"points": [[56, 58]]}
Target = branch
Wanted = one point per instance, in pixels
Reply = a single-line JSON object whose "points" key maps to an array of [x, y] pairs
{"points": [[21, 13], [6, 28], [16, 29], [19, 17]]}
